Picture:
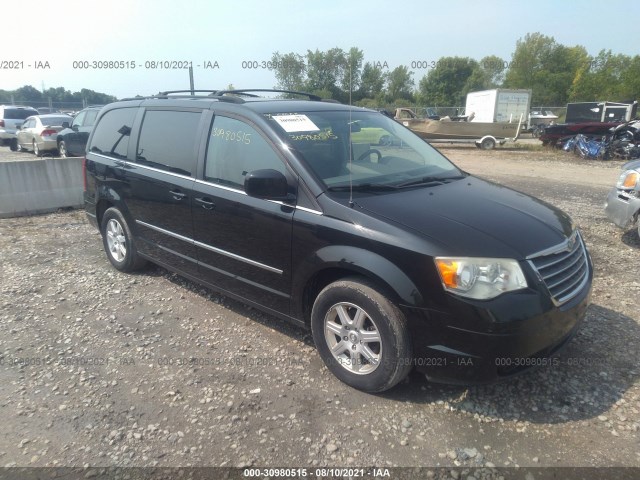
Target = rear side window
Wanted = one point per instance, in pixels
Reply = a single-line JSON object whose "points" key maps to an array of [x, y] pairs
{"points": [[112, 134], [18, 113], [77, 121], [90, 118], [168, 141]]}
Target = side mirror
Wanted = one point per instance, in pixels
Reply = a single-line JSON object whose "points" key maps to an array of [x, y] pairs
{"points": [[267, 184], [74, 128], [65, 124]]}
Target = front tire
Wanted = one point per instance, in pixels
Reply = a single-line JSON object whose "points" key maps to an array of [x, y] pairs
{"points": [[13, 146], [118, 242], [361, 336]]}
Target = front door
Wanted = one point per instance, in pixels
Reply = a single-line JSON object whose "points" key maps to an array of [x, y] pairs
{"points": [[243, 243]]}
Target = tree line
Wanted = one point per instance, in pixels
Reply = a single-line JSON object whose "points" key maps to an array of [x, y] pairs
{"points": [[555, 73], [59, 97]]}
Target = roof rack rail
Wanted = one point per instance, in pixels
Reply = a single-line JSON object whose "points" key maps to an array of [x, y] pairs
{"points": [[212, 94], [245, 91], [168, 92]]}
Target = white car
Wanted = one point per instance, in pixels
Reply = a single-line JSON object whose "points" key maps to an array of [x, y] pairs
{"points": [[39, 133], [11, 118]]}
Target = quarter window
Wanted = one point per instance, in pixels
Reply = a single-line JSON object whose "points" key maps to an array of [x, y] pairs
{"points": [[113, 132], [168, 141], [235, 149]]}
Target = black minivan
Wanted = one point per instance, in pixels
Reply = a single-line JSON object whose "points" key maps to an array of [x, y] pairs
{"points": [[343, 221]]}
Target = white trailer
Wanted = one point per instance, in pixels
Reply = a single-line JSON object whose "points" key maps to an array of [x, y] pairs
{"points": [[498, 105]]}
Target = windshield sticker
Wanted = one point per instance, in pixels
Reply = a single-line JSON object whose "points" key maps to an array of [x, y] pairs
{"points": [[296, 123]]}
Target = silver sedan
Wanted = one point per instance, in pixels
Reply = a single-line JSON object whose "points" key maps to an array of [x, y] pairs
{"points": [[38, 133]]}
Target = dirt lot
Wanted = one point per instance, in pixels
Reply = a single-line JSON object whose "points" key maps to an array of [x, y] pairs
{"points": [[99, 368]]}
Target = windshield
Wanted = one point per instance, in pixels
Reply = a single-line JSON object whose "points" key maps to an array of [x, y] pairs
{"points": [[363, 149]]}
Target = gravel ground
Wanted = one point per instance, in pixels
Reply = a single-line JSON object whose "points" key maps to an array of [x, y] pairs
{"points": [[100, 368]]}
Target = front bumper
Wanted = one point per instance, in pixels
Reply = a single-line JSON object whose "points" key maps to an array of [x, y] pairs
{"points": [[622, 207], [521, 333]]}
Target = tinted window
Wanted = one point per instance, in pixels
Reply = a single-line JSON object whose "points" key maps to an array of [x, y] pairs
{"points": [[90, 118], [236, 148], [19, 113], [113, 132], [168, 140], [79, 118], [54, 120]]}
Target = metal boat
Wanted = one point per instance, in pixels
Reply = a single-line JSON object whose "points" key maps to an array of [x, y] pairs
{"points": [[484, 134]]}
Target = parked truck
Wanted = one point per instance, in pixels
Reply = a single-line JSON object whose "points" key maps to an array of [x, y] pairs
{"points": [[498, 105]]}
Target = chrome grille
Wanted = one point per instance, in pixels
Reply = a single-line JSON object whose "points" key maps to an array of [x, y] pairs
{"points": [[564, 269]]}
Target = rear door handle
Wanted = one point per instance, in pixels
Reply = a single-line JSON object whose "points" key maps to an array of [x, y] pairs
{"points": [[206, 203], [177, 194]]}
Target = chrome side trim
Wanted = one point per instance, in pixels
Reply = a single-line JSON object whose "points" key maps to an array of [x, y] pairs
{"points": [[139, 165], [166, 232], [238, 257], [211, 248], [241, 192], [309, 210], [244, 280], [222, 187]]}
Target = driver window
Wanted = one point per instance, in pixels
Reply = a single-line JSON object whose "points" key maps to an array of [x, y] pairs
{"points": [[235, 149]]}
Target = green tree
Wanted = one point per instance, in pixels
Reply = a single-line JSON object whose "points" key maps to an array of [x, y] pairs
{"points": [[607, 77], [400, 84], [326, 71], [289, 70], [493, 69], [450, 81], [372, 81], [546, 67], [351, 73], [27, 94]]}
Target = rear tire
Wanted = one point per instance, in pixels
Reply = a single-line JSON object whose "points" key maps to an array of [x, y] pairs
{"points": [[361, 336], [36, 150], [13, 145], [62, 149], [118, 242]]}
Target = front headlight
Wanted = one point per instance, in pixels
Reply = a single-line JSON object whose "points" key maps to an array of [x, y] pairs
{"points": [[628, 180], [480, 278]]}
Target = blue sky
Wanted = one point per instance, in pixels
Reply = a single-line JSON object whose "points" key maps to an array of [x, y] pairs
{"points": [[233, 32]]}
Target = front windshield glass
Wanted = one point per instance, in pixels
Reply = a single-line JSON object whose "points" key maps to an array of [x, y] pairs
{"points": [[363, 149]]}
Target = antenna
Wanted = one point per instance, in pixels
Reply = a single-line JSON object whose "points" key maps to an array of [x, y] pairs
{"points": [[350, 142]]}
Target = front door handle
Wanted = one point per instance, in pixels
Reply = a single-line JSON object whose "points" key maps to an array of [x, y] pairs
{"points": [[177, 194], [206, 203]]}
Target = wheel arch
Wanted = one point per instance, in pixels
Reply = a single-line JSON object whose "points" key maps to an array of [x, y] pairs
{"points": [[108, 197], [335, 262]]}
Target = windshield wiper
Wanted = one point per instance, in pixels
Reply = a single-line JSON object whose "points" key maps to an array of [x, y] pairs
{"points": [[363, 187], [428, 181]]}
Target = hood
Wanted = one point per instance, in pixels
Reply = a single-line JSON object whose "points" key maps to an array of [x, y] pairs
{"points": [[473, 217]]}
